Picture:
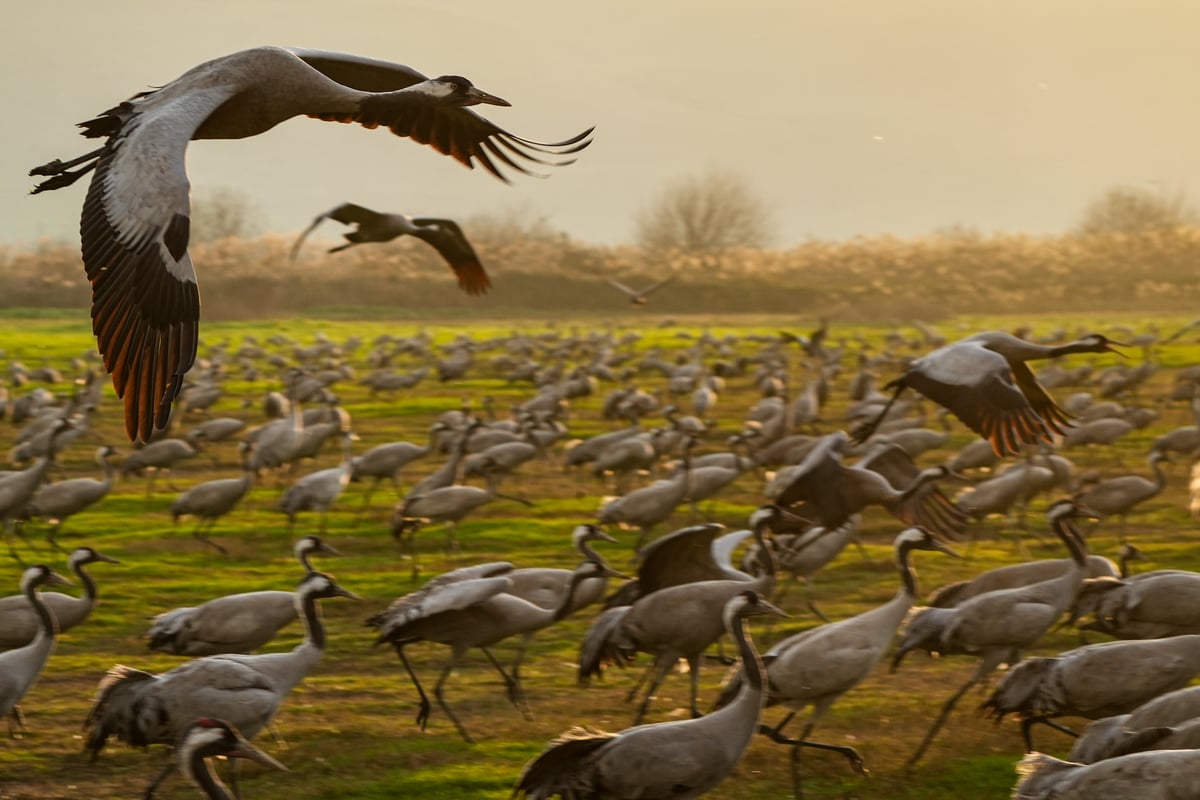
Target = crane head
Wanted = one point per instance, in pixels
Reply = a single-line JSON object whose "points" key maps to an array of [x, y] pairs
{"points": [[459, 91]]}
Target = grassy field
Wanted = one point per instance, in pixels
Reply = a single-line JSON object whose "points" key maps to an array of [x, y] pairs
{"points": [[350, 726]]}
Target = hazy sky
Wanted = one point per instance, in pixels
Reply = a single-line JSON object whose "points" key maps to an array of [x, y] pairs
{"points": [[890, 116]]}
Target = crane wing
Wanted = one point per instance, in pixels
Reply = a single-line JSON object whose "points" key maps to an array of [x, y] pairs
{"points": [[359, 72], [452, 130], [656, 286], [346, 213], [621, 287], [445, 236], [977, 386], [134, 230]]}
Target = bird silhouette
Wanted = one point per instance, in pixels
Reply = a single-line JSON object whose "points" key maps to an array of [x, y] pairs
{"points": [[443, 235]]}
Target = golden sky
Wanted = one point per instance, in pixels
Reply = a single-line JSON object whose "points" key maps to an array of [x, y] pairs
{"points": [[888, 116]]}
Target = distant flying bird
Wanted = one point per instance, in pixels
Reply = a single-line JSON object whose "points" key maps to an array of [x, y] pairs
{"points": [[639, 297], [135, 224], [443, 235], [984, 381]]}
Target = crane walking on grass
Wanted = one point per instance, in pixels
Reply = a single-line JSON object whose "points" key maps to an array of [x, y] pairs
{"points": [[135, 223]]}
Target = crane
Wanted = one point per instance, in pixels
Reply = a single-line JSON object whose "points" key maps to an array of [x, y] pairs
{"points": [[135, 223], [678, 759], [984, 381], [443, 235]]}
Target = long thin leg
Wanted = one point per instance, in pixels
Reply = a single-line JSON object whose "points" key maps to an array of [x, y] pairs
{"points": [[516, 695], [197, 534], [1027, 732], [425, 707], [941, 718], [864, 431], [663, 667], [159, 778], [437, 692], [637, 687], [694, 669]]}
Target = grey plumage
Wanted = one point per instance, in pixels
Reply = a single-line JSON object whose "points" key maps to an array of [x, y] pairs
{"points": [[235, 623], [20, 667], [19, 622], [677, 760], [143, 709]]}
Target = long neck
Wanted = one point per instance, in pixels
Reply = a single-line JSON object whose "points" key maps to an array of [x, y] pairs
{"points": [[752, 663], [203, 776], [770, 562], [47, 627], [1071, 538], [907, 577], [89, 585], [578, 577], [314, 629], [1160, 478], [923, 478]]}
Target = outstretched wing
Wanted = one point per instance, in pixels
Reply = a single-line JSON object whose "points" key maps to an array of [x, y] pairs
{"points": [[449, 240], [452, 130], [134, 230], [346, 213], [621, 287], [656, 286]]}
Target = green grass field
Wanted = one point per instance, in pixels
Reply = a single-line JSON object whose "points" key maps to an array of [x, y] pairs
{"points": [[350, 728]]}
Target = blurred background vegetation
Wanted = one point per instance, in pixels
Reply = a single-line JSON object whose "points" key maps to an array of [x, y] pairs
{"points": [[1133, 249]]}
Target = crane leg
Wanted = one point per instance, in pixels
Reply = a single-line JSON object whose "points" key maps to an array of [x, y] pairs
{"points": [[516, 694], [941, 719], [1027, 729], [16, 722], [663, 667], [425, 707], [158, 779], [867, 429], [437, 692], [198, 535], [52, 538]]}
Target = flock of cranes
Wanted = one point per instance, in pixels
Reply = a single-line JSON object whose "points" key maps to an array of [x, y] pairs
{"points": [[691, 588], [689, 594]]}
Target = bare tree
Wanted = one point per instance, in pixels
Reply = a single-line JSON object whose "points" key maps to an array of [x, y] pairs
{"points": [[1132, 209], [221, 213], [706, 213]]}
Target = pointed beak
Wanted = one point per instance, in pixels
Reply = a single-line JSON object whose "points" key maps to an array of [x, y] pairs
{"points": [[338, 591], [763, 607], [54, 579], [942, 547], [252, 753], [612, 573], [328, 550], [106, 559], [480, 96], [1111, 347], [604, 536]]}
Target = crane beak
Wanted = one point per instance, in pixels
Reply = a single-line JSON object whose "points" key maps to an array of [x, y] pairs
{"points": [[1111, 347], [762, 607], [338, 591], [106, 559], [942, 547], [612, 573], [328, 550], [479, 96], [54, 579], [252, 753]]}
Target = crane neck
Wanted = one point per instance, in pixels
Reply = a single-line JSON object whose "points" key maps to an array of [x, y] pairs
{"points": [[1072, 537], [47, 625], [310, 615], [577, 577], [89, 585], [908, 576], [752, 663]]}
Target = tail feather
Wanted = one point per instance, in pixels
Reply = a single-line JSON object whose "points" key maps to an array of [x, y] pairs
{"points": [[561, 768], [115, 709], [600, 646]]}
